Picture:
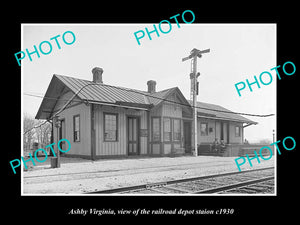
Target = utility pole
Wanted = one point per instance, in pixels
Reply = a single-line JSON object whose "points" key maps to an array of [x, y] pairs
{"points": [[194, 88]]}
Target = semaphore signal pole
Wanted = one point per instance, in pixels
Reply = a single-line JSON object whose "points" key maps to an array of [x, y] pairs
{"points": [[194, 87]]}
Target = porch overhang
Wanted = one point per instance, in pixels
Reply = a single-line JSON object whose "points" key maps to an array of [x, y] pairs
{"points": [[248, 123]]}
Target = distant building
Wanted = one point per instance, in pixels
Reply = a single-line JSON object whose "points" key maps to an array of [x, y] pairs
{"points": [[104, 121]]}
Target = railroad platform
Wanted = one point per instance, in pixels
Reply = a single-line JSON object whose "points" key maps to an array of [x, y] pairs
{"points": [[78, 176]]}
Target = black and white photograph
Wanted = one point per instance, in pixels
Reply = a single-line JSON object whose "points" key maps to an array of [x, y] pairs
{"points": [[131, 112], [106, 112]]}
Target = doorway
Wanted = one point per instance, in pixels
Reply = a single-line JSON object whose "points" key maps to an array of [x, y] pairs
{"points": [[133, 135], [228, 131], [222, 132], [187, 134], [225, 134]]}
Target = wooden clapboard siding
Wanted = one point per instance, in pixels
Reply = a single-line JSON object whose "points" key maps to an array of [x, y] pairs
{"points": [[216, 131], [232, 138], [171, 110], [109, 148], [167, 148], [118, 147], [211, 135], [156, 149], [83, 147]]}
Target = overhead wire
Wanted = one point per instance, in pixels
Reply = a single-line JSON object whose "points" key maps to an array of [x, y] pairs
{"points": [[62, 108], [151, 96], [133, 91]]}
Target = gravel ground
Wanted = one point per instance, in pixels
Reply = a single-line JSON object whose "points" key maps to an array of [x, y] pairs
{"points": [[77, 176]]}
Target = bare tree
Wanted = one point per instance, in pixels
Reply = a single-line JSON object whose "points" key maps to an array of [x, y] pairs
{"points": [[43, 133], [35, 131], [28, 124]]}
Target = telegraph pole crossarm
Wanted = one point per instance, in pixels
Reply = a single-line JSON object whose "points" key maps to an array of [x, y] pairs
{"points": [[193, 76], [196, 52]]}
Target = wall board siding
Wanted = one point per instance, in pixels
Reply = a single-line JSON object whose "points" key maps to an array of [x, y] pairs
{"points": [[171, 110], [216, 131], [82, 147], [232, 137], [119, 147], [155, 149], [211, 135], [167, 148]]}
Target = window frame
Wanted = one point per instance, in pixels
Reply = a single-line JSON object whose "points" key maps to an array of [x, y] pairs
{"points": [[239, 131], [206, 133], [170, 132], [173, 130], [117, 126], [74, 124], [152, 130]]}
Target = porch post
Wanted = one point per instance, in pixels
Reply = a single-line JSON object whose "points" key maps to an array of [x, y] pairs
{"points": [[242, 134]]}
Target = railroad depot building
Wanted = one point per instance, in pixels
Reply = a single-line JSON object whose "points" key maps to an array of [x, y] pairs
{"points": [[105, 121]]}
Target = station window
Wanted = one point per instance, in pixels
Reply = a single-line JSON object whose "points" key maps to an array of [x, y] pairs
{"points": [[237, 131], [155, 129], [76, 128], [176, 129], [110, 127], [204, 129], [167, 129]]}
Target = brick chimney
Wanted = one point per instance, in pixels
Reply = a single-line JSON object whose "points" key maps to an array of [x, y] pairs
{"points": [[151, 86], [97, 75]]}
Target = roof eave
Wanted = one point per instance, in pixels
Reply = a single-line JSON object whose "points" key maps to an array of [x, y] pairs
{"points": [[249, 124], [54, 90], [228, 119], [116, 104], [171, 91]]}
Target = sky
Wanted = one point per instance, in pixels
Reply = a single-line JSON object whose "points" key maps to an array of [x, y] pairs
{"points": [[237, 52]]}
